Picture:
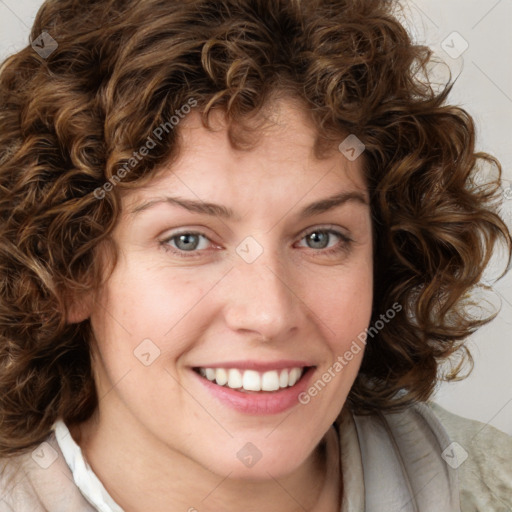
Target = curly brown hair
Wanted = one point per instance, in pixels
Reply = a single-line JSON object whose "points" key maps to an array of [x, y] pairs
{"points": [[71, 120]]}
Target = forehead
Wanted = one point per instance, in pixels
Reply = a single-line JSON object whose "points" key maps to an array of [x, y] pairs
{"points": [[280, 162]]}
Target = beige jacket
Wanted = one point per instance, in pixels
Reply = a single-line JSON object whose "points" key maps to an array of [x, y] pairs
{"points": [[424, 459]]}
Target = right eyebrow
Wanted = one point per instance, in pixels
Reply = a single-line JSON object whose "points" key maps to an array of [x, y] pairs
{"points": [[191, 205]]}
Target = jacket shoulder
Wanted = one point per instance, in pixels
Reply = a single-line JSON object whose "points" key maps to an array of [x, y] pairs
{"points": [[39, 480], [482, 455]]}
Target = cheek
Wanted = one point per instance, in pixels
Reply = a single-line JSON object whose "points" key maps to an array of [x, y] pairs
{"points": [[344, 303], [144, 322], [141, 303], [344, 309]]}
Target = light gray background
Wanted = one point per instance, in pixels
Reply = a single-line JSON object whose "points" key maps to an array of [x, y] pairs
{"points": [[484, 89]]}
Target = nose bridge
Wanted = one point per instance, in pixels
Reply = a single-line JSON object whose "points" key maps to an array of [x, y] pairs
{"points": [[260, 297]]}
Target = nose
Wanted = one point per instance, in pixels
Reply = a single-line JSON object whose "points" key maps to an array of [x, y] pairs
{"points": [[262, 298]]}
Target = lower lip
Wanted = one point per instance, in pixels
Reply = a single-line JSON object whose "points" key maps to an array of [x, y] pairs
{"points": [[262, 402]]}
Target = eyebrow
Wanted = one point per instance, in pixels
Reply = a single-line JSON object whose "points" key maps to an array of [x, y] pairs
{"points": [[224, 212]]}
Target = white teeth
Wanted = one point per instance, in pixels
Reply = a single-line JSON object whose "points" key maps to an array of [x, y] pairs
{"points": [[251, 380], [221, 376], [283, 379], [270, 381], [294, 376], [234, 379]]}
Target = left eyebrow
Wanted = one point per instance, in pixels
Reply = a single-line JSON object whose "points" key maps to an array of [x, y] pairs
{"points": [[331, 202], [218, 210]]}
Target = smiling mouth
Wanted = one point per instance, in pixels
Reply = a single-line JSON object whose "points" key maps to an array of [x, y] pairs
{"points": [[252, 380]]}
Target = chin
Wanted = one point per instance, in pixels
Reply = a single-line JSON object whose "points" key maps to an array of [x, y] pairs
{"points": [[257, 460]]}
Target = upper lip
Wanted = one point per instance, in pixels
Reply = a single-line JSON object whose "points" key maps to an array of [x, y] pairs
{"points": [[260, 366]]}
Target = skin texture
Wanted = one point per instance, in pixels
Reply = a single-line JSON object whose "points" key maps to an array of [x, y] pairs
{"points": [[159, 439]]}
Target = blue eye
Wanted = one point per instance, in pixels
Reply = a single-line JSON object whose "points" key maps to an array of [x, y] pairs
{"points": [[321, 237], [190, 242], [187, 241]]}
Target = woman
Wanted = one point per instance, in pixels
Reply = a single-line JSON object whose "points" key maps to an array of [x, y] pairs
{"points": [[237, 241]]}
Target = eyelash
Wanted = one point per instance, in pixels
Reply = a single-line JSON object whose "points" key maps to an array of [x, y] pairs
{"points": [[343, 246]]}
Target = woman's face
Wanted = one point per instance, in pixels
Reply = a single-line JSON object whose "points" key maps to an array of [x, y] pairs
{"points": [[273, 281]]}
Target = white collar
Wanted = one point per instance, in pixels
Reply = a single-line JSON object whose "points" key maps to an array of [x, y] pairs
{"points": [[83, 475]]}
